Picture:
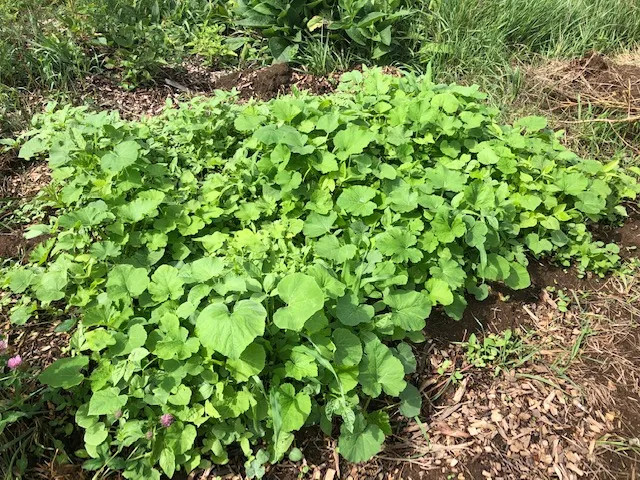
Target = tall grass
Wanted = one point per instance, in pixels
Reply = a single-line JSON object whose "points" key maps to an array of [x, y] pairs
{"points": [[463, 37]]}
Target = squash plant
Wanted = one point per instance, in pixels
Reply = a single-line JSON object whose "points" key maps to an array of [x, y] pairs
{"points": [[236, 272]]}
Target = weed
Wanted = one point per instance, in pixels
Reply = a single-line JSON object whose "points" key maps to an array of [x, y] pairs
{"points": [[504, 351]]}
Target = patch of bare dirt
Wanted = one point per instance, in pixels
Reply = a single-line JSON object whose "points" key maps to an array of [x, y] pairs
{"points": [[627, 236], [262, 84], [39, 345], [20, 179]]}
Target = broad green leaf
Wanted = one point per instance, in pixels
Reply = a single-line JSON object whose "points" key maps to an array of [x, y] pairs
{"points": [[409, 309], [348, 347], [351, 313], [317, 225], [518, 278], [362, 443], [532, 123], [126, 281], [64, 372], [20, 280], [379, 369], [357, 200], [166, 284], [303, 297], [251, 362], [106, 401], [167, 461], [294, 408], [352, 140], [406, 356], [410, 401], [52, 286], [231, 333], [439, 291], [124, 155], [145, 205], [331, 248]]}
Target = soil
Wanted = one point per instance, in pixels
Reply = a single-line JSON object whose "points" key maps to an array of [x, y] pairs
{"points": [[626, 236], [12, 245], [263, 84]]}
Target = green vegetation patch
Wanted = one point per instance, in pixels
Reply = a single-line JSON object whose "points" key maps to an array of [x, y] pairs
{"points": [[239, 272]]}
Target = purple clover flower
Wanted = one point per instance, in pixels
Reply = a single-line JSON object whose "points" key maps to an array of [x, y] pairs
{"points": [[166, 420], [14, 362]]}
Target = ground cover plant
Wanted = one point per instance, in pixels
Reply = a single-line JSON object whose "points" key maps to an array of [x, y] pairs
{"points": [[234, 272]]}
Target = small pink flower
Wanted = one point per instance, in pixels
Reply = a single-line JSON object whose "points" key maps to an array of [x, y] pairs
{"points": [[149, 435], [118, 414], [14, 362], [3, 345], [166, 420]]}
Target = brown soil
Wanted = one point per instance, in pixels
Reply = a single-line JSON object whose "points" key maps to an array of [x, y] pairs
{"points": [[263, 84], [626, 236], [12, 245]]}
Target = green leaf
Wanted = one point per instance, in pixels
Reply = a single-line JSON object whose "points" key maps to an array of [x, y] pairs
{"points": [[348, 347], [356, 200], [145, 205], [379, 369], [351, 313], [331, 248], [32, 147], [396, 243], [406, 357], [126, 281], [251, 362], [124, 155], [518, 278], [294, 408], [303, 297], [317, 225], [52, 286], [532, 123], [230, 334], [106, 401], [439, 291], [64, 372], [362, 443], [166, 284], [352, 140], [167, 461], [410, 401], [410, 309], [20, 280]]}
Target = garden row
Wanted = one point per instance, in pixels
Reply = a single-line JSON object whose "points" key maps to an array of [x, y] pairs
{"points": [[233, 273]]}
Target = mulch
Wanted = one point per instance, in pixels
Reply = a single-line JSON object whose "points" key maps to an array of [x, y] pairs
{"points": [[593, 80]]}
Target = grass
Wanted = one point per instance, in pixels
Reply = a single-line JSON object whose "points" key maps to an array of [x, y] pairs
{"points": [[486, 37]]}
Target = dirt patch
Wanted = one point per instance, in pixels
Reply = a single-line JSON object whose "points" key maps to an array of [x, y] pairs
{"points": [[102, 93], [20, 179], [262, 84], [626, 236], [39, 345], [593, 79], [508, 309]]}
